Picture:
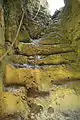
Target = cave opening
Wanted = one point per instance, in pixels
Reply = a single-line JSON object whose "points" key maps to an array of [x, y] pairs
{"points": [[55, 5]]}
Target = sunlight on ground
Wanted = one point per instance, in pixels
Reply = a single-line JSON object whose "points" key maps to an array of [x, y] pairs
{"points": [[55, 5]]}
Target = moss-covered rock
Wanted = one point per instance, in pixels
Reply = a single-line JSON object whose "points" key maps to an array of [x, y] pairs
{"points": [[53, 106], [50, 40], [1, 85], [2, 50], [23, 76], [30, 27], [24, 37], [70, 21], [2, 38], [11, 105], [65, 58], [31, 49], [58, 98], [43, 78], [19, 59]]}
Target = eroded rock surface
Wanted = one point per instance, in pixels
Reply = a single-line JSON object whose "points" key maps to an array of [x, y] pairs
{"points": [[41, 76]]}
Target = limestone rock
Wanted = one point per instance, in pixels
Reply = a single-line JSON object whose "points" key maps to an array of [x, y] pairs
{"points": [[42, 78], [12, 105], [31, 49]]}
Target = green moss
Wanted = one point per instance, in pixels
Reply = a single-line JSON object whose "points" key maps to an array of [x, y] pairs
{"points": [[49, 40], [57, 59], [76, 87], [43, 78], [11, 104], [76, 66], [2, 50], [58, 98], [24, 37], [30, 49], [1, 86], [18, 59]]}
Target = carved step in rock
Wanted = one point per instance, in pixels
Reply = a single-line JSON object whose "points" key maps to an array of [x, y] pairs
{"points": [[42, 78], [19, 59], [58, 59], [31, 49]]}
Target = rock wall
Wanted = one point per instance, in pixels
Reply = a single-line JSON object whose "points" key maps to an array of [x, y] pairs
{"points": [[2, 44], [36, 16], [71, 22]]}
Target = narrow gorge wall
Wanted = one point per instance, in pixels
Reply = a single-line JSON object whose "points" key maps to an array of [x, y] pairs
{"points": [[31, 19], [2, 44], [71, 23]]}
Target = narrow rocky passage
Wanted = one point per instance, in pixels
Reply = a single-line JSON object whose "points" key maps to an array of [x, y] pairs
{"points": [[42, 79], [41, 82]]}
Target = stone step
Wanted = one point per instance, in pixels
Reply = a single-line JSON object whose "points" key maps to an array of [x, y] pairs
{"points": [[11, 104], [64, 98], [58, 59], [53, 40], [63, 58], [52, 35], [19, 59], [32, 49], [42, 78]]}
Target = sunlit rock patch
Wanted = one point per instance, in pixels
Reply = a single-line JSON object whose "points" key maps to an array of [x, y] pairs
{"points": [[12, 105]]}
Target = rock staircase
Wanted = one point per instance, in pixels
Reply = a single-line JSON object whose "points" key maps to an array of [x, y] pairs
{"points": [[43, 79]]}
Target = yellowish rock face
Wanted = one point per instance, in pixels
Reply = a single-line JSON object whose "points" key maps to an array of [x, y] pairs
{"points": [[2, 51], [41, 78], [55, 59], [31, 49], [1, 86], [11, 104], [18, 59], [62, 99]]}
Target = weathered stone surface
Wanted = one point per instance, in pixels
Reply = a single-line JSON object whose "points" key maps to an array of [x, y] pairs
{"points": [[32, 25], [42, 78], [1, 86], [2, 50], [19, 76], [59, 96], [70, 22], [55, 37], [31, 49], [58, 59], [50, 41], [19, 59], [2, 39], [45, 73], [62, 103], [12, 105], [24, 37]]}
